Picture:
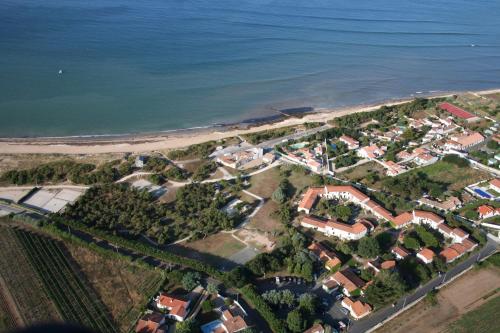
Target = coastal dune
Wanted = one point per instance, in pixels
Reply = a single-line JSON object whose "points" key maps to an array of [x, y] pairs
{"points": [[144, 142]]}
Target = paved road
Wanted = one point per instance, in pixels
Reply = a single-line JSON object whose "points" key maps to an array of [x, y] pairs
{"points": [[364, 324]]}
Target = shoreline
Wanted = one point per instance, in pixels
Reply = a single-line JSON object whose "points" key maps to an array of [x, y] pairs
{"points": [[180, 138]]}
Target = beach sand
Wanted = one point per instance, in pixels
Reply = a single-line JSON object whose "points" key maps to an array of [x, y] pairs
{"points": [[145, 143]]}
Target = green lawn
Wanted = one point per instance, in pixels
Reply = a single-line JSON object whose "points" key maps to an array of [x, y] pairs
{"points": [[484, 319]]}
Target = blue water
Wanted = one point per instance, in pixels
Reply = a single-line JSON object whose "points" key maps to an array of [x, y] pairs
{"points": [[139, 66]]}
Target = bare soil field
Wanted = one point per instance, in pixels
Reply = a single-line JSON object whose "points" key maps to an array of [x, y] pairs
{"points": [[462, 295], [359, 173], [122, 287]]}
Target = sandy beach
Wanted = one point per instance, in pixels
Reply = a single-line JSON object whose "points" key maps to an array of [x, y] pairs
{"points": [[151, 142]]}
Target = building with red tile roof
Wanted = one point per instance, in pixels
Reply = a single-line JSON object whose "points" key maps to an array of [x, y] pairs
{"points": [[430, 218], [486, 211], [326, 256], [464, 141], [400, 252], [371, 152], [457, 112], [426, 255], [449, 255], [350, 142], [177, 308], [357, 309], [495, 184], [309, 199], [152, 322], [402, 220], [348, 280], [316, 328], [334, 228]]}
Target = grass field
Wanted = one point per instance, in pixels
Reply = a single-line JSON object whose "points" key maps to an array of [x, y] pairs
{"points": [[358, 173], [454, 177], [123, 287], [28, 302], [484, 319], [263, 184], [74, 299]]}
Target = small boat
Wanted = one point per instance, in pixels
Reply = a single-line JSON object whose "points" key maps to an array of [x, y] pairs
{"points": [[60, 71], [472, 45]]}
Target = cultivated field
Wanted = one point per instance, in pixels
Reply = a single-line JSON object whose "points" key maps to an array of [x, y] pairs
{"points": [[122, 286], [75, 301], [463, 295], [23, 297]]}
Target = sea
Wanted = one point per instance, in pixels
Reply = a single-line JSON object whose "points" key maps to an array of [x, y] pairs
{"points": [[104, 67]]}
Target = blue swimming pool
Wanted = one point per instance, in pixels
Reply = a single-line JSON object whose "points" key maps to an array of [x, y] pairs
{"points": [[210, 327], [482, 193]]}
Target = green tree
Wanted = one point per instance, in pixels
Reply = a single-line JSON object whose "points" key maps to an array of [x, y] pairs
{"points": [[411, 243], [191, 280], [279, 195], [386, 288], [188, 326], [343, 212], [427, 237], [212, 288], [295, 321], [368, 247], [308, 303]]}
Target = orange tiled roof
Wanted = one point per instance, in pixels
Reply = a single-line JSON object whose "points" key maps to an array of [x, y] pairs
{"points": [[459, 232], [449, 254], [176, 306], [233, 323], [485, 209], [356, 228], [401, 251], [459, 248], [403, 218], [316, 328], [359, 308], [428, 215], [314, 221], [495, 182], [348, 280], [469, 244], [310, 197], [349, 189], [427, 253], [150, 323], [349, 140], [388, 264]]}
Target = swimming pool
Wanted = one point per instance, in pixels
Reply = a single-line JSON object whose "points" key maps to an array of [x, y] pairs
{"points": [[482, 193]]}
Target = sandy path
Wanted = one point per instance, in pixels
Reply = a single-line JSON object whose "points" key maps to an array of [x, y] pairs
{"points": [[144, 143], [462, 295]]}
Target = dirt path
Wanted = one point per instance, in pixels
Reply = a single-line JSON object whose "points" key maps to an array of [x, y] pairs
{"points": [[461, 296]]}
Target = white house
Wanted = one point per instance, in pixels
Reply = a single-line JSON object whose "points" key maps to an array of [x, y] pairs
{"points": [[350, 142], [426, 255], [177, 308]]}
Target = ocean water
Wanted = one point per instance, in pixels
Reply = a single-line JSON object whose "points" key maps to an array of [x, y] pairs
{"points": [[151, 65]]}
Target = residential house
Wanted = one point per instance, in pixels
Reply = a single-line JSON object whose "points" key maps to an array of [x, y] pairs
{"points": [[230, 322], [378, 265], [327, 257], [495, 185], [350, 142], [357, 309], [426, 255], [425, 159], [449, 204], [349, 281], [177, 307], [316, 328], [400, 252], [464, 142], [330, 285], [240, 158], [152, 322], [392, 168], [486, 211], [371, 152]]}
